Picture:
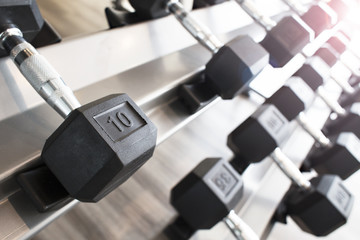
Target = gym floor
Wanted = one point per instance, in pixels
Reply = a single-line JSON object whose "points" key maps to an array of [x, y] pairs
{"points": [[111, 217]]}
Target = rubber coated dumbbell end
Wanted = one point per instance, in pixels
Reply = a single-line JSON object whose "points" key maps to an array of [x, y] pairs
{"points": [[99, 146], [28, 18], [207, 194], [322, 209], [233, 67], [150, 9]]}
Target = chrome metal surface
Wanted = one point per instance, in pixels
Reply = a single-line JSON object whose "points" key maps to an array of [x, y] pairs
{"points": [[260, 17], [290, 169], [296, 6], [316, 133], [44, 78], [239, 228], [199, 32], [332, 103]]}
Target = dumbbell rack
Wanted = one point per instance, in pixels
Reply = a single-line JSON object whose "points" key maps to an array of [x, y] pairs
{"points": [[147, 61]]}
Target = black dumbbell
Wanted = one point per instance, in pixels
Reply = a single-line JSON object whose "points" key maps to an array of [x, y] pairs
{"points": [[348, 123], [306, 200], [292, 98], [99, 145], [317, 67], [35, 29], [320, 62], [332, 57], [284, 39], [339, 43], [232, 66], [342, 157], [315, 81], [205, 197], [318, 17]]}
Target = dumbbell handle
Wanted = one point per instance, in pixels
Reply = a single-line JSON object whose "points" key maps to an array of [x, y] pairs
{"points": [[250, 8], [199, 32], [332, 104], [346, 87], [239, 228], [289, 169], [296, 6], [316, 133], [39, 73]]}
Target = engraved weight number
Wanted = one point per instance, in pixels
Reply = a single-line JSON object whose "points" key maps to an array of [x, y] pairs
{"points": [[222, 181], [121, 121]]}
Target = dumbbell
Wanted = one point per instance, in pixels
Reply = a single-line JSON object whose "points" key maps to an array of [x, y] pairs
{"points": [[296, 96], [339, 43], [319, 64], [314, 205], [315, 71], [341, 157], [348, 123], [232, 66], [99, 145], [314, 80], [351, 88], [318, 17], [284, 39], [292, 100], [332, 57], [207, 196]]}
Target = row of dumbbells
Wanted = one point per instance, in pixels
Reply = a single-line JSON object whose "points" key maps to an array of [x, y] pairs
{"points": [[85, 158], [208, 194], [319, 206]]}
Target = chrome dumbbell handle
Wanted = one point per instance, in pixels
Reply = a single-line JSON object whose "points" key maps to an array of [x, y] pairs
{"points": [[198, 31], [289, 169], [38, 72], [239, 228]]}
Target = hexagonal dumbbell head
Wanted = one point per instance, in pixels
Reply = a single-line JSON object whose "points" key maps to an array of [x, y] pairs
{"points": [[337, 44], [312, 78], [319, 18], [99, 146], [342, 159], [24, 14], [150, 9], [207, 194], [322, 209], [234, 66], [328, 55], [348, 123], [285, 40], [258, 136]]}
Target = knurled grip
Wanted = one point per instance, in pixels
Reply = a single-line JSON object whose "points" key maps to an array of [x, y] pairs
{"points": [[44, 79], [197, 30]]}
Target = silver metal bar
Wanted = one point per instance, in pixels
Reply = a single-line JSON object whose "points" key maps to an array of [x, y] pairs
{"points": [[344, 85], [289, 169], [331, 103], [41, 75], [239, 228], [199, 32], [316, 133], [250, 8], [296, 6]]}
